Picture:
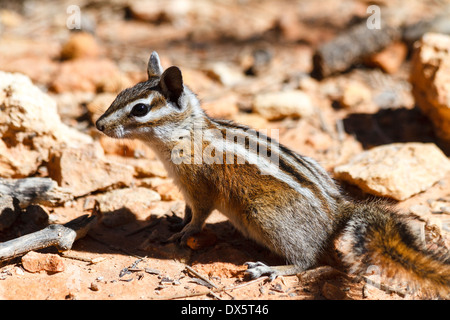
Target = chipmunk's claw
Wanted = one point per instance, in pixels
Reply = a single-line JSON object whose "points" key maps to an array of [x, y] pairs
{"points": [[258, 269]]}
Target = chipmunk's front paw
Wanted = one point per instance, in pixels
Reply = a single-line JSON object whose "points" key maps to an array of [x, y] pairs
{"points": [[258, 269]]}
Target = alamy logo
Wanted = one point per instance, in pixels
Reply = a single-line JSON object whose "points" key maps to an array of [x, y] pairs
{"points": [[212, 146], [74, 19], [374, 21]]}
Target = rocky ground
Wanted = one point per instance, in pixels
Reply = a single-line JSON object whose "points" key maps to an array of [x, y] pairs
{"points": [[381, 128]]}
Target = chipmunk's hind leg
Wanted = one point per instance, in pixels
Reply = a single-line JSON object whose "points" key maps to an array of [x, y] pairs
{"points": [[300, 239]]}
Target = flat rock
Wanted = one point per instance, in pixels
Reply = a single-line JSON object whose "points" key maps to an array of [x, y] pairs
{"points": [[84, 170], [121, 206], [279, 105], [36, 262], [397, 171], [116, 199]]}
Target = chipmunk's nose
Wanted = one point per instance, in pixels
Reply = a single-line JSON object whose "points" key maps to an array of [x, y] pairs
{"points": [[99, 125]]}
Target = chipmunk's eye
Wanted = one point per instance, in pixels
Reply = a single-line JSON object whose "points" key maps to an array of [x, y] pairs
{"points": [[140, 110]]}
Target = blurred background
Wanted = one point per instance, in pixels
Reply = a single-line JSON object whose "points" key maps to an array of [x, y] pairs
{"points": [[230, 51]]}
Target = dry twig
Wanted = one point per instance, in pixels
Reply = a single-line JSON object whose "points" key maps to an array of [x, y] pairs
{"points": [[61, 236]]}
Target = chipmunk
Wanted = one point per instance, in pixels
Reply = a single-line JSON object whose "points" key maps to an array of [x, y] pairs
{"points": [[282, 200]]}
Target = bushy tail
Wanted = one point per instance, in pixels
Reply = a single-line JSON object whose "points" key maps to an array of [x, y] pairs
{"points": [[375, 235]]}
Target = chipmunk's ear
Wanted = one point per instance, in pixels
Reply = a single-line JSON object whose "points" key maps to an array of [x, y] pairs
{"points": [[154, 66], [172, 84]]}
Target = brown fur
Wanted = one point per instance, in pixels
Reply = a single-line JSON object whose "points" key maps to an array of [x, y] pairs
{"points": [[375, 235]]}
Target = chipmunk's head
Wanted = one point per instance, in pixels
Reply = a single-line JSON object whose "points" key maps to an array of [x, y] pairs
{"points": [[137, 111]]}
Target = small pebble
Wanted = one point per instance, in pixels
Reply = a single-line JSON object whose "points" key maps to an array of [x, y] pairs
{"points": [[94, 286]]}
